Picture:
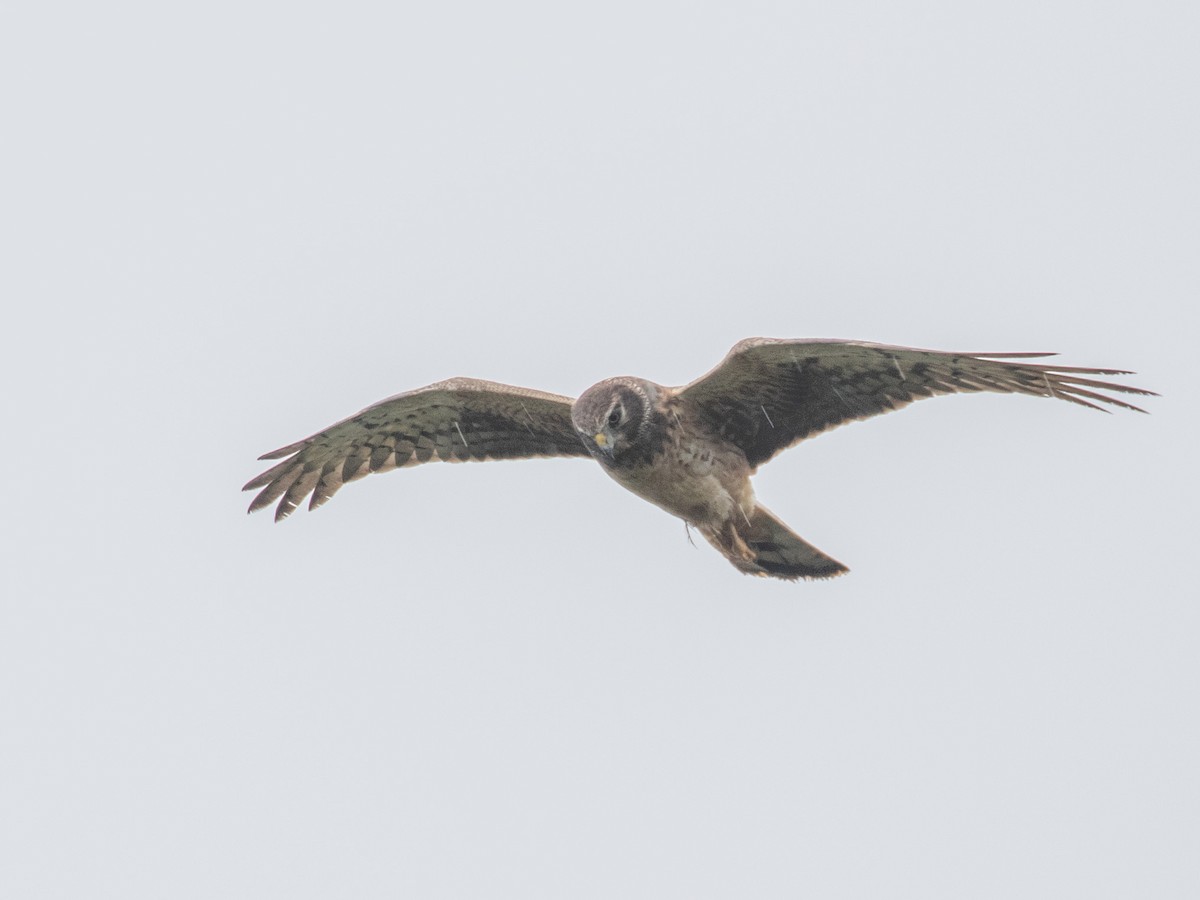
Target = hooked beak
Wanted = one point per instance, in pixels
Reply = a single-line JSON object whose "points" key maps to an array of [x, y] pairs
{"points": [[602, 441]]}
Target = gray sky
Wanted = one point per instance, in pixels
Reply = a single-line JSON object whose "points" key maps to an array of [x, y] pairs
{"points": [[228, 225]]}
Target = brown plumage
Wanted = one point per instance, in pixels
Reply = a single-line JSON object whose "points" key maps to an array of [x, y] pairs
{"points": [[689, 450], [452, 421]]}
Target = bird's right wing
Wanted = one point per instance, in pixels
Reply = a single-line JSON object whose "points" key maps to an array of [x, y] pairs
{"points": [[453, 421]]}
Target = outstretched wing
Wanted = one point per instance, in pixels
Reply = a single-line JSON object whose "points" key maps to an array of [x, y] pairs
{"points": [[768, 394], [453, 421]]}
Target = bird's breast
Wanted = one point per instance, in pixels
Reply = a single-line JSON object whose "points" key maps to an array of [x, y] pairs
{"points": [[691, 478]]}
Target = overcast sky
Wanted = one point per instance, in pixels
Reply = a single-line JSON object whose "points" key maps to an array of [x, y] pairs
{"points": [[227, 225]]}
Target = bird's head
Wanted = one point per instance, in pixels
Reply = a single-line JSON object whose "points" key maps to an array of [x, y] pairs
{"points": [[612, 416]]}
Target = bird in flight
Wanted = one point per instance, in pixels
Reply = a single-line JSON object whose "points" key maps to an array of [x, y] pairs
{"points": [[690, 450]]}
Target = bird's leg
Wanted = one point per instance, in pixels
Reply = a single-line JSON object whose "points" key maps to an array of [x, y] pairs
{"points": [[734, 541]]}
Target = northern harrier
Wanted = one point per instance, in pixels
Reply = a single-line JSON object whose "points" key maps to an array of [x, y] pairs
{"points": [[690, 450]]}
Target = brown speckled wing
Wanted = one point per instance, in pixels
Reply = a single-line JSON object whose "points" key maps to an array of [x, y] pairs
{"points": [[768, 394], [452, 421]]}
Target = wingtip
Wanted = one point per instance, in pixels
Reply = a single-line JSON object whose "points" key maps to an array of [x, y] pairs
{"points": [[256, 505], [286, 451], [1024, 354]]}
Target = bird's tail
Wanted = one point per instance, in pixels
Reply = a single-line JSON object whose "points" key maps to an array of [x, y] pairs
{"points": [[762, 545]]}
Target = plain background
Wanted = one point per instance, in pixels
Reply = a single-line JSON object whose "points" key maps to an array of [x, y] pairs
{"points": [[226, 225]]}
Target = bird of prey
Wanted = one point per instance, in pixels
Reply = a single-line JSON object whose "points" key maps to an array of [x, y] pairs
{"points": [[690, 450]]}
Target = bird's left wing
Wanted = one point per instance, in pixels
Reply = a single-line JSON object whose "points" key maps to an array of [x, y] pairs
{"points": [[453, 421], [768, 394]]}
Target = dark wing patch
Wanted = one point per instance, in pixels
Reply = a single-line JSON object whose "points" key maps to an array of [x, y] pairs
{"points": [[768, 394], [452, 421]]}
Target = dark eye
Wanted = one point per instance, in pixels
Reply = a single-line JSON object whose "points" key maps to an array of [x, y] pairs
{"points": [[614, 418]]}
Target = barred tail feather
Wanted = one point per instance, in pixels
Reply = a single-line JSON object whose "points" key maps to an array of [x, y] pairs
{"points": [[764, 546]]}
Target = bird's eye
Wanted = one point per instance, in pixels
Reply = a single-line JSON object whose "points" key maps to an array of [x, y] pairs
{"points": [[614, 417]]}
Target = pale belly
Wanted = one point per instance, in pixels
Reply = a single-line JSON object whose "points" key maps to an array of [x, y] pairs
{"points": [[693, 482]]}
